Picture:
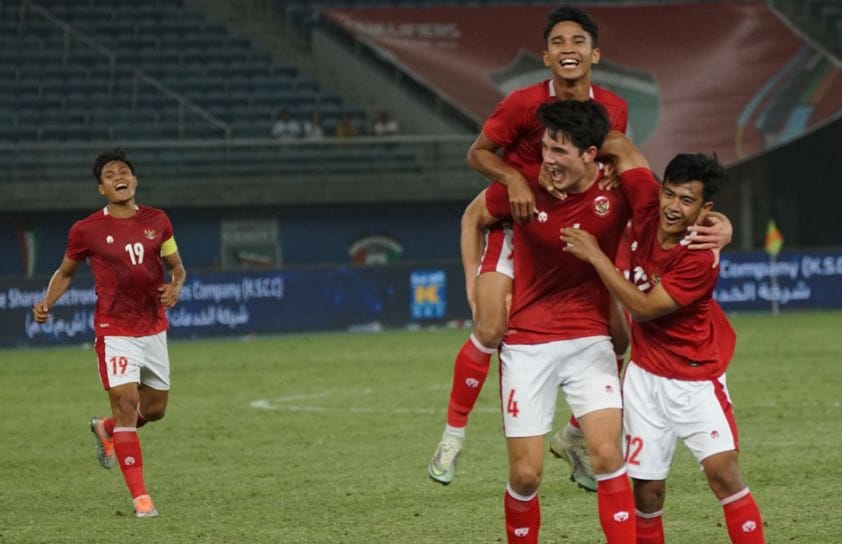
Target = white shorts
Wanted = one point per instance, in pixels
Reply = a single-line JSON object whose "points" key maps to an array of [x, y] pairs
{"points": [[659, 411], [530, 375], [497, 255], [134, 359]]}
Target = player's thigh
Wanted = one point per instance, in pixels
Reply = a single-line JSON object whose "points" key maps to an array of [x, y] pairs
{"points": [[587, 372], [650, 438], [155, 372], [491, 311], [703, 417], [119, 359], [528, 389]]}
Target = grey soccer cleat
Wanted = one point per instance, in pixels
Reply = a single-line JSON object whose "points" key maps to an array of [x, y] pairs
{"points": [[572, 449], [104, 444], [442, 468]]}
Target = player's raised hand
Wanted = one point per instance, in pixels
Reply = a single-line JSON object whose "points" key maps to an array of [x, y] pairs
{"points": [[580, 243], [521, 199], [169, 294], [41, 311], [546, 183], [610, 180]]}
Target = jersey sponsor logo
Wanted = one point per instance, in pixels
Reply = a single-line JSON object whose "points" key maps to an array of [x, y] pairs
{"points": [[542, 217], [521, 531], [149, 233], [621, 516], [601, 205], [714, 434], [109, 239], [750, 526]]}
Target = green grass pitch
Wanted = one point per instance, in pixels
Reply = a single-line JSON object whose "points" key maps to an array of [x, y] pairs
{"points": [[325, 438]]}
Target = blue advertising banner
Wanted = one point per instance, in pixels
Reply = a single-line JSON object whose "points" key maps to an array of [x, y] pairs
{"points": [[795, 280], [355, 298]]}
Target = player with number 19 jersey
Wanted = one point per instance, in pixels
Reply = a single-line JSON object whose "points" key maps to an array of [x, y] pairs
{"points": [[125, 257]]}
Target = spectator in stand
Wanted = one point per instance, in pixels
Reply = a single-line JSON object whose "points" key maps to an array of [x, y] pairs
{"points": [[385, 125], [285, 127], [313, 129], [346, 128]]}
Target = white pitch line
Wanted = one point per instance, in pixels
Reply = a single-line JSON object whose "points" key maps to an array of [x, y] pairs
{"points": [[264, 404]]}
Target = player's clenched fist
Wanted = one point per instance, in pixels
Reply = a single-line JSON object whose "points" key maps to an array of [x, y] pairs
{"points": [[41, 311]]}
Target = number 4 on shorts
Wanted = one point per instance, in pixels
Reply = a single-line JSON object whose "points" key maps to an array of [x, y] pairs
{"points": [[511, 405]]}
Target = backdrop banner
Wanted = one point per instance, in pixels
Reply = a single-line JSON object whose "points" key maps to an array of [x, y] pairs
{"points": [[376, 297]]}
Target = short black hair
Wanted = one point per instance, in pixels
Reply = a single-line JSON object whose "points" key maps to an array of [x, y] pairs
{"points": [[584, 123], [576, 15], [687, 167], [108, 155]]}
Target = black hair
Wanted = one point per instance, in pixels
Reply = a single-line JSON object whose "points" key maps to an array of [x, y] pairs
{"points": [[687, 167], [583, 123], [108, 155], [576, 15]]}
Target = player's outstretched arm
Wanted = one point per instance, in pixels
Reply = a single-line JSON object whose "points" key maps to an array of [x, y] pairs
{"points": [[59, 283], [170, 292], [475, 218], [641, 306], [482, 157]]}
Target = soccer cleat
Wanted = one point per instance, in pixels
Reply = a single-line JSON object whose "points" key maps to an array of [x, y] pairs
{"points": [[573, 450], [442, 466], [143, 507], [104, 444]]}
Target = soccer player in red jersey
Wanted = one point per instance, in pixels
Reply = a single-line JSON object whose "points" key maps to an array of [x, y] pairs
{"points": [[126, 245], [558, 326], [571, 49], [682, 343]]}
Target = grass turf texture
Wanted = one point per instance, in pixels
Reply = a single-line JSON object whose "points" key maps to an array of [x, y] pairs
{"points": [[325, 438]]}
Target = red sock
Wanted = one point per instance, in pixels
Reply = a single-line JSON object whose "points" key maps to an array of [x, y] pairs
{"points": [[108, 425], [523, 518], [616, 507], [127, 450], [742, 517], [650, 527], [469, 372]]}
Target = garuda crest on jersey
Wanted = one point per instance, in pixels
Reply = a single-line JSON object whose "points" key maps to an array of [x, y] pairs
{"points": [[149, 233], [601, 205]]}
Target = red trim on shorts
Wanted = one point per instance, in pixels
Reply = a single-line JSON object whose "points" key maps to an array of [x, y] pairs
{"points": [[727, 409], [494, 238], [99, 347]]}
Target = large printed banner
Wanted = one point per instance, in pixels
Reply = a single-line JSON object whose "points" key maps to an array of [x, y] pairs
{"points": [[357, 298], [371, 298], [795, 280], [728, 77]]}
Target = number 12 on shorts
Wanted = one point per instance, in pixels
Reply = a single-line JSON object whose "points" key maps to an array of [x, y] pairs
{"points": [[511, 404], [633, 446]]}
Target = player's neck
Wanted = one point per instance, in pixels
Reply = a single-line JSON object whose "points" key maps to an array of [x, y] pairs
{"points": [[122, 210], [579, 89], [588, 178], [667, 240]]}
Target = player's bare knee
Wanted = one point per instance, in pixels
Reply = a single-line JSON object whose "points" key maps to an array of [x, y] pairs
{"points": [[605, 457], [649, 495], [525, 479], [490, 335]]}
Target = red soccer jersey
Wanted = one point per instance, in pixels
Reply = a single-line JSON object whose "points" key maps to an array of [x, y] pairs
{"points": [[696, 341], [515, 127], [556, 296], [125, 257]]}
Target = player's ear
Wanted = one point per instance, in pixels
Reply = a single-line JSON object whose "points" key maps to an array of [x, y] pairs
{"points": [[703, 213], [595, 55], [546, 57], [100, 189], [589, 155]]}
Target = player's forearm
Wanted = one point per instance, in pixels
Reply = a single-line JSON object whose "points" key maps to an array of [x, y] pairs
{"points": [[632, 298], [492, 166], [178, 274], [58, 285]]}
